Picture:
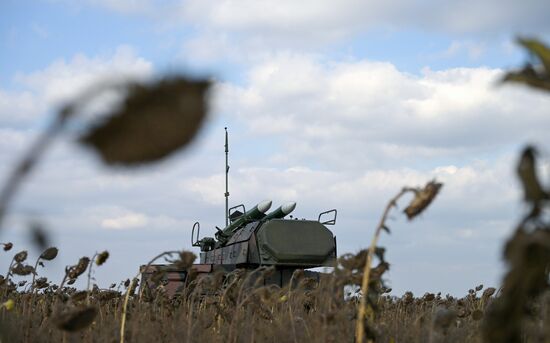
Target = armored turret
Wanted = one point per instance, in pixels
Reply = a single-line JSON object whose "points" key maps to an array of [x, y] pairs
{"points": [[255, 239]]}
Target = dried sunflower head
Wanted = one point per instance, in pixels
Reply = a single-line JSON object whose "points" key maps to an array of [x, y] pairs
{"points": [[20, 256], [77, 270], [40, 283], [21, 269], [423, 197], [102, 258], [49, 254]]}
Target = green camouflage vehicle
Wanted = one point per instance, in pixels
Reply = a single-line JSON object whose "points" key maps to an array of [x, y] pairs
{"points": [[252, 239], [255, 238]]}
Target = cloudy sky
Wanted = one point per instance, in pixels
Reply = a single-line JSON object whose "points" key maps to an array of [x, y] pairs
{"points": [[332, 104]]}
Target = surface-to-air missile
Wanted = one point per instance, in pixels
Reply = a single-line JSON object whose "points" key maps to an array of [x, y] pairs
{"points": [[254, 238]]}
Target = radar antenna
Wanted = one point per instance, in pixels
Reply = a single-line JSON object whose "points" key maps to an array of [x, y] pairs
{"points": [[226, 179]]}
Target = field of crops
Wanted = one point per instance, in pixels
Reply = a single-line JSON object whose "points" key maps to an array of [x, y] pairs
{"points": [[238, 307]]}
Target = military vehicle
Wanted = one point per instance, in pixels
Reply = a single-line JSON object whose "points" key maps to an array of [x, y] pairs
{"points": [[254, 238]]}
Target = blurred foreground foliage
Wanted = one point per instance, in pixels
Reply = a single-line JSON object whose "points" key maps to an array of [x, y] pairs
{"points": [[527, 252]]}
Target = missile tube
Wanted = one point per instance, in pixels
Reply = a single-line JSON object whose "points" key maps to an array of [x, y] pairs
{"points": [[257, 212], [281, 212]]}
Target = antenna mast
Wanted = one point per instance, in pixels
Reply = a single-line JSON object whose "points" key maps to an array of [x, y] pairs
{"points": [[226, 179]]}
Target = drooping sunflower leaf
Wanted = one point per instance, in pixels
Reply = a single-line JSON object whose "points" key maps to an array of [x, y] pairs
{"points": [[534, 76], [529, 77], [538, 49], [527, 173], [153, 121]]}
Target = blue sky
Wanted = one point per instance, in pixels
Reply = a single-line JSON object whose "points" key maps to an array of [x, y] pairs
{"points": [[328, 104]]}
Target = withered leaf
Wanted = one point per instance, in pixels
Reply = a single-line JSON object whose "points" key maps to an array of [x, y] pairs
{"points": [[529, 77], [154, 121], [527, 173], [76, 318], [538, 49], [354, 262], [534, 77]]}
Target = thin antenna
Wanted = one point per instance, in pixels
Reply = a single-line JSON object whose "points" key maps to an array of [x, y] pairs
{"points": [[226, 179]]}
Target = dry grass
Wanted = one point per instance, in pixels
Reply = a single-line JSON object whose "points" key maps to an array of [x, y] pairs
{"points": [[244, 310]]}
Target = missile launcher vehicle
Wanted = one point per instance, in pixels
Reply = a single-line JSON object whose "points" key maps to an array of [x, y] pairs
{"points": [[251, 239], [255, 238]]}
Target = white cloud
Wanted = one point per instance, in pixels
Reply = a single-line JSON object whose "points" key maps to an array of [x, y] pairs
{"points": [[126, 221], [19, 107], [249, 29], [62, 81], [472, 49], [332, 19], [366, 113], [491, 186]]}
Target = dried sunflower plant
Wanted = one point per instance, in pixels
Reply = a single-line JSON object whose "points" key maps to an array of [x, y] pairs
{"points": [[371, 279]]}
